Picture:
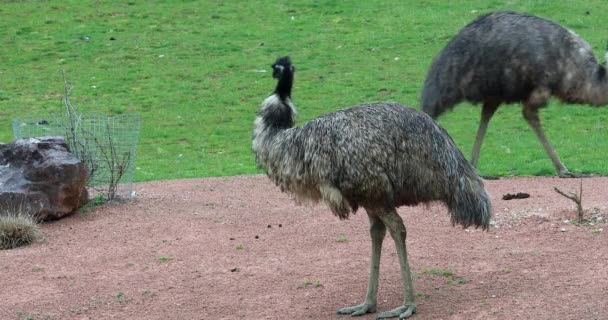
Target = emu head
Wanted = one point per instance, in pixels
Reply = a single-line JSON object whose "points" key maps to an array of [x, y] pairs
{"points": [[606, 55], [281, 65]]}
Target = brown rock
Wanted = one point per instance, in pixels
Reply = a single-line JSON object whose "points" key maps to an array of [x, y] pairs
{"points": [[42, 176]]}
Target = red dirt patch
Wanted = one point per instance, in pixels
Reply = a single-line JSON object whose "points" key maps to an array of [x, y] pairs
{"points": [[202, 249]]}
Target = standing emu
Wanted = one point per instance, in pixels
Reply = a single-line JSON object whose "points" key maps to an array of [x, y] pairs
{"points": [[507, 57], [378, 156]]}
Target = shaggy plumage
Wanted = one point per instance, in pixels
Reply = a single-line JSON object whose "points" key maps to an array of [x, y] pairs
{"points": [[506, 57], [378, 156]]}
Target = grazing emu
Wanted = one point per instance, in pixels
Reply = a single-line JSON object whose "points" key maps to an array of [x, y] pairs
{"points": [[507, 57], [378, 156]]}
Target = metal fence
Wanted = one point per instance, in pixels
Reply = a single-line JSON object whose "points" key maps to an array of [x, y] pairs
{"points": [[106, 144]]}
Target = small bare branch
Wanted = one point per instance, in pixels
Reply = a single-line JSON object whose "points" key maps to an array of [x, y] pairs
{"points": [[578, 199]]}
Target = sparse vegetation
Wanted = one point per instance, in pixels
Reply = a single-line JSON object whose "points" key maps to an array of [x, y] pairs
{"points": [[35, 316], [94, 203], [457, 280], [597, 231], [121, 297], [437, 272], [342, 239], [308, 283], [17, 228], [452, 279], [148, 293], [240, 246], [164, 259]]}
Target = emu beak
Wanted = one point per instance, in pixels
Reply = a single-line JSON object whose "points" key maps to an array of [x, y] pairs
{"points": [[277, 70]]}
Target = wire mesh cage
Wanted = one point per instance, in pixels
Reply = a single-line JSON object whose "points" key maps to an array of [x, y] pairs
{"points": [[105, 144]]}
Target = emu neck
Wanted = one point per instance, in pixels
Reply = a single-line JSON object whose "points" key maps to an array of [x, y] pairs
{"points": [[283, 89], [601, 83], [275, 117], [596, 91], [277, 113]]}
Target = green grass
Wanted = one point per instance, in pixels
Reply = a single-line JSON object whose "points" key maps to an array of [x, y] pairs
{"points": [[189, 69]]}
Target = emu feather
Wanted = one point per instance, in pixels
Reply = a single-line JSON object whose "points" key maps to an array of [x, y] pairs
{"points": [[507, 57], [378, 156]]}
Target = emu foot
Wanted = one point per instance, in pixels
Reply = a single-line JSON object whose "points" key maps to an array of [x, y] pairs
{"points": [[487, 177], [404, 311], [358, 310], [568, 174]]}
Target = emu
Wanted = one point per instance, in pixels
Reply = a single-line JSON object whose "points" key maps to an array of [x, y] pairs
{"points": [[377, 156], [509, 57]]}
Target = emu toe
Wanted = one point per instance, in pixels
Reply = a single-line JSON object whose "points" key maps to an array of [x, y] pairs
{"points": [[568, 174], [358, 310], [404, 311]]}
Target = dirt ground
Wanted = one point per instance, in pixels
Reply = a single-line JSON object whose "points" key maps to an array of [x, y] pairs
{"points": [[237, 248]]}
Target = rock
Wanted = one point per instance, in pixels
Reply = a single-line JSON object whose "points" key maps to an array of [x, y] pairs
{"points": [[41, 175]]}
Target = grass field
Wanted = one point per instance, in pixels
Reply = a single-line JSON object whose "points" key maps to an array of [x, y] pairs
{"points": [[193, 71]]}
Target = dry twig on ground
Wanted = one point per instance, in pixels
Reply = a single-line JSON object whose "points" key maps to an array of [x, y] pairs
{"points": [[578, 199]]}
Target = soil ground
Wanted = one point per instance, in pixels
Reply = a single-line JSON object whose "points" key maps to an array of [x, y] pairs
{"points": [[237, 248]]}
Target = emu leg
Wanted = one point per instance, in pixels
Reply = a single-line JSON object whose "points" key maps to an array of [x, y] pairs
{"points": [[487, 111], [531, 115], [395, 225], [377, 231]]}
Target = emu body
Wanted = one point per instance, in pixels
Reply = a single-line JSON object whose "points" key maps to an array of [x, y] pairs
{"points": [[376, 156], [508, 57]]}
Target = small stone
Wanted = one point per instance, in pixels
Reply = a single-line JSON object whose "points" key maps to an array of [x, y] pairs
{"points": [[231, 238], [257, 237], [280, 225], [562, 229], [235, 269]]}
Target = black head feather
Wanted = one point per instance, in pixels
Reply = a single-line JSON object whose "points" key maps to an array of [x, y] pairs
{"points": [[283, 70], [282, 64]]}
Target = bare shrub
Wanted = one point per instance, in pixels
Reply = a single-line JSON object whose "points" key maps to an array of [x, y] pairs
{"points": [[105, 144], [578, 199]]}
